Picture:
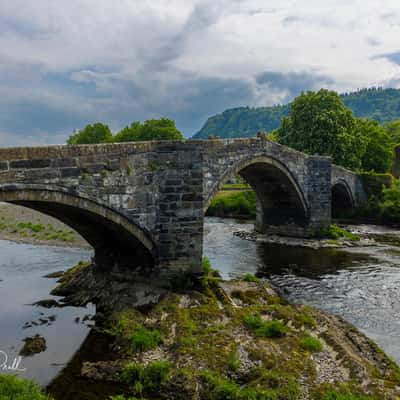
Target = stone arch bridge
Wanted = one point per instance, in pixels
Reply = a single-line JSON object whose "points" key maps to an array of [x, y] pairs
{"points": [[142, 205]]}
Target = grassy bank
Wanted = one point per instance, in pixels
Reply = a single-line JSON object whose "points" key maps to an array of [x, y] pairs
{"points": [[26, 225], [239, 340], [13, 388], [234, 201]]}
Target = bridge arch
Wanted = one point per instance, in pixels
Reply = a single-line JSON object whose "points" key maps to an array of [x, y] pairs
{"points": [[280, 199], [342, 198], [115, 239]]}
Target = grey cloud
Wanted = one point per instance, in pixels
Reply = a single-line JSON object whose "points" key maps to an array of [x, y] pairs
{"points": [[393, 57], [294, 82]]}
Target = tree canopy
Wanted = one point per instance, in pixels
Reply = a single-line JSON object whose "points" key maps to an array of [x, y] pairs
{"points": [[319, 123], [153, 129], [91, 134], [378, 155]]}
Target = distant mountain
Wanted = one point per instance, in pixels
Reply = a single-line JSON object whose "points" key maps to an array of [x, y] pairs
{"points": [[383, 105]]}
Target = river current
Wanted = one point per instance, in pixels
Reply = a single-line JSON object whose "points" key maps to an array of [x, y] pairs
{"points": [[360, 284]]}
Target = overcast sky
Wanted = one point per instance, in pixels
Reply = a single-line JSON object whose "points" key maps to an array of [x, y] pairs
{"points": [[67, 63]]}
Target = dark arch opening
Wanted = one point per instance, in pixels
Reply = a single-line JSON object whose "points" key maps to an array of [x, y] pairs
{"points": [[342, 200], [116, 241], [280, 202]]}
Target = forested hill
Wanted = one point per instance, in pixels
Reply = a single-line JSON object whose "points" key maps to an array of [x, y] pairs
{"points": [[382, 105]]}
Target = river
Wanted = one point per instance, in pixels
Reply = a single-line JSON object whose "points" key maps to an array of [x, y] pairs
{"points": [[360, 284]]}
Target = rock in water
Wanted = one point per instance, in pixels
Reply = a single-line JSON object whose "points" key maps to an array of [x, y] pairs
{"points": [[33, 345]]}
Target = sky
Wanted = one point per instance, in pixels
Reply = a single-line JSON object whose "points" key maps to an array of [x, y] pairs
{"points": [[64, 64]]}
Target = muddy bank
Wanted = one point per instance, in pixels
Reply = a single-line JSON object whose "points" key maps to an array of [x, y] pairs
{"points": [[233, 339]]}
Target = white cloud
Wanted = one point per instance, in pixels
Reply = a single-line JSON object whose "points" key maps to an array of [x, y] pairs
{"points": [[69, 63]]}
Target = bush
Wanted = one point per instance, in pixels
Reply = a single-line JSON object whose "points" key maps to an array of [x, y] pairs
{"points": [[145, 339], [210, 277], [236, 204], [311, 344], [390, 207], [146, 378], [335, 232], [266, 329], [13, 388], [251, 278]]}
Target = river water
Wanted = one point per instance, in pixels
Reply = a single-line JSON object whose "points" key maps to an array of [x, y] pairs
{"points": [[22, 268], [360, 284]]}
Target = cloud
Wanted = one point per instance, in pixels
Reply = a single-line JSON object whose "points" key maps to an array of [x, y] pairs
{"points": [[392, 57], [64, 66]]}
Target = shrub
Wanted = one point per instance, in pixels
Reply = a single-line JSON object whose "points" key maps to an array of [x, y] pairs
{"points": [[146, 378], [335, 232], [236, 204], [144, 339], [251, 278], [210, 277], [266, 329], [14, 388], [311, 343]]}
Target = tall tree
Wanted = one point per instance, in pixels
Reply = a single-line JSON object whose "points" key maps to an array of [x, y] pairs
{"points": [[393, 129], [319, 123], [378, 155], [91, 134]]}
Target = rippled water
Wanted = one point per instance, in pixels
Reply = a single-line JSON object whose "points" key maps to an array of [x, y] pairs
{"points": [[22, 268], [360, 284]]}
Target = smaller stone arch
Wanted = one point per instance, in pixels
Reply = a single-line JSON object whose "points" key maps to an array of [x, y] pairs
{"points": [[280, 200], [115, 239], [342, 198]]}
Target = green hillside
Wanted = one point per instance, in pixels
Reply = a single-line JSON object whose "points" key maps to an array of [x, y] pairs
{"points": [[383, 105]]}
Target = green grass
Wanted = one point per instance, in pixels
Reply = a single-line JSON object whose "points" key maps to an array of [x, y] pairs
{"points": [[311, 343], [251, 278], [334, 232], [266, 329], [234, 204], [236, 186], [144, 339], [146, 379], [217, 387], [13, 388]]}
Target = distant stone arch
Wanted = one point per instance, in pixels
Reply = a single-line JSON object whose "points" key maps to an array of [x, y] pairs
{"points": [[342, 198]]}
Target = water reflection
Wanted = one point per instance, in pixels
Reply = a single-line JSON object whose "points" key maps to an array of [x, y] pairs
{"points": [[22, 268]]}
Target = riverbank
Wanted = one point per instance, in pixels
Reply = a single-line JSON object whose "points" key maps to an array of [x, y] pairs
{"points": [[233, 339], [24, 225]]}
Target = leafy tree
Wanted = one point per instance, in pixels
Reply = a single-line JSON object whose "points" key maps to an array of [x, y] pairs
{"points": [[153, 129], [393, 129], [96, 133], [129, 133], [378, 156], [319, 123]]}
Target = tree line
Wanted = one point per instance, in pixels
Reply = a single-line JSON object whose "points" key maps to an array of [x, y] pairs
{"points": [[152, 129]]}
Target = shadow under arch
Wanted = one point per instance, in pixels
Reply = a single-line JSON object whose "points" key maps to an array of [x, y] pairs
{"points": [[115, 239], [342, 199], [280, 199]]}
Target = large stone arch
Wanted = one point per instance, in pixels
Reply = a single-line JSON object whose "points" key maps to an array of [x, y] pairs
{"points": [[280, 199], [116, 240], [343, 199]]}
